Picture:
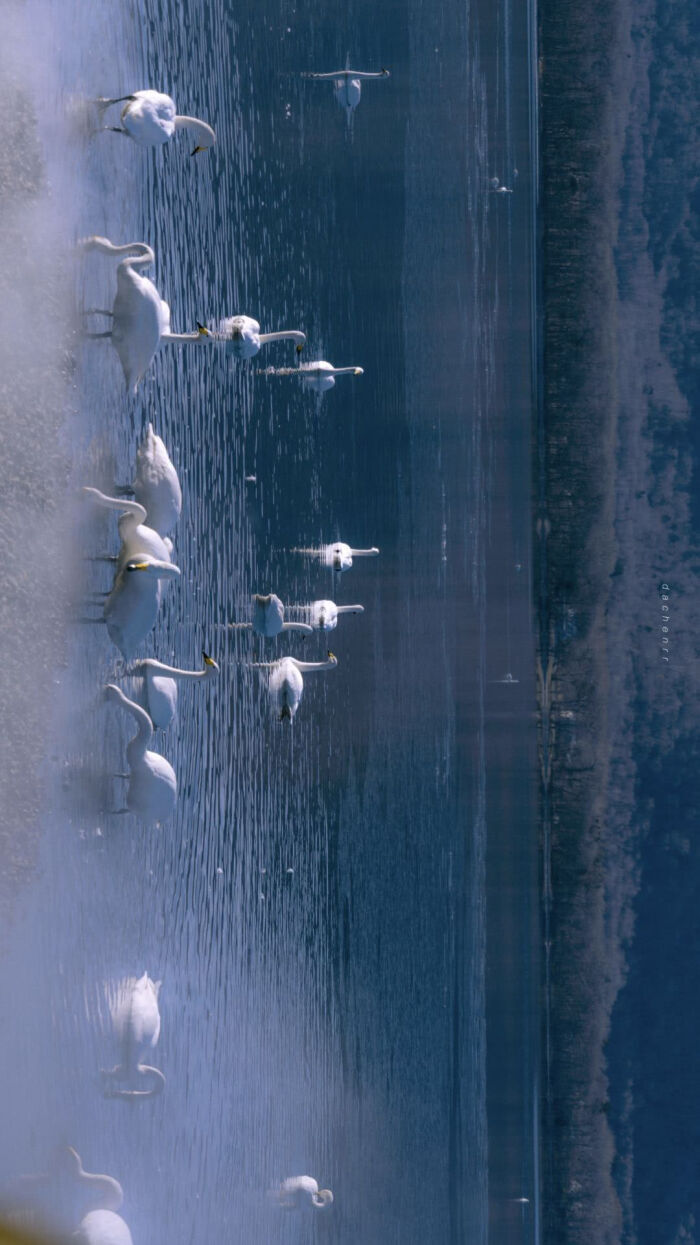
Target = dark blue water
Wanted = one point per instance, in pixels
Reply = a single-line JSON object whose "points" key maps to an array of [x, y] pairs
{"points": [[370, 1017]]}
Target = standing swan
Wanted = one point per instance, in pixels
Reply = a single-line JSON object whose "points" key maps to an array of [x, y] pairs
{"points": [[152, 791], [347, 84], [297, 1190], [156, 485], [244, 339], [319, 375], [149, 118], [137, 1024], [157, 692], [338, 556], [143, 563], [286, 683], [268, 618], [140, 318]]}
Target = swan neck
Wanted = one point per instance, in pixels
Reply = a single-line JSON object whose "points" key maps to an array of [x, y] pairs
{"points": [[159, 667], [122, 504], [203, 133], [293, 334]]}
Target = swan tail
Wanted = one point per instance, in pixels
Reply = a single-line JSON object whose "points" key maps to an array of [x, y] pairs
{"points": [[285, 714]]}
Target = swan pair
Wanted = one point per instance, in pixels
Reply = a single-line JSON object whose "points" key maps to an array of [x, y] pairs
{"points": [[269, 620], [143, 564], [141, 319], [136, 1021], [338, 556], [286, 685], [149, 118], [347, 84]]}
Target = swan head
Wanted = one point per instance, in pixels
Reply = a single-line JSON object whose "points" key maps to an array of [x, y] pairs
{"points": [[212, 666], [324, 1197], [332, 658], [203, 332]]}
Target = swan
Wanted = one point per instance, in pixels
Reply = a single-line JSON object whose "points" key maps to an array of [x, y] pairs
{"points": [[319, 375], [156, 485], [102, 1227], [347, 84], [339, 556], [498, 188], [143, 563], [152, 791], [324, 614], [243, 337], [104, 1196], [140, 318], [157, 690], [268, 618], [137, 1024], [297, 1190], [286, 683], [104, 1190], [149, 118]]}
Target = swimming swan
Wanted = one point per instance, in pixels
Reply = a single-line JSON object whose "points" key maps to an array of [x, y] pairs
{"points": [[156, 485], [268, 618], [143, 564], [102, 1227], [149, 118], [319, 375], [323, 615], [339, 556], [152, 790], [157, 691], [140, 318], [347, 84], [137, 1025], [243, 337], [286, 684], [297, 1190]]}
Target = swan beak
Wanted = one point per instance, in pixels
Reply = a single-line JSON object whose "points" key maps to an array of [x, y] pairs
{"points": [[194, 153], [299, 349], [202, 331], [331, 656], [209, 661], [359, 371], [137, 566]]}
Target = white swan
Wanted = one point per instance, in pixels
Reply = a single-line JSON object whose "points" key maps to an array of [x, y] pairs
{"points": [[347, 84], [324, 614], [243, 337], [105, 1191], [137, 1025], [157, 689], [298, 1190], [152, 790], [143, 564], [150, 119], [140, 318], [268, 618], [102, 1227], [286, 682], [498, 188], [156, 485], [339, 556], [319, 375]]}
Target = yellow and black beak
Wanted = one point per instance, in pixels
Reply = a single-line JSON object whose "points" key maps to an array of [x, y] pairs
{"points": [[138, 566], [203, 332], [208, 661], [299, 349], [194, 153]]}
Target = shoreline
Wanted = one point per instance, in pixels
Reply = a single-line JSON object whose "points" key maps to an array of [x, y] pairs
{"points": [[614, 525]]}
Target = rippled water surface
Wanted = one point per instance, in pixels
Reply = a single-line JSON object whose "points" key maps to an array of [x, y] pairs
{"points": [[317, 907]]}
